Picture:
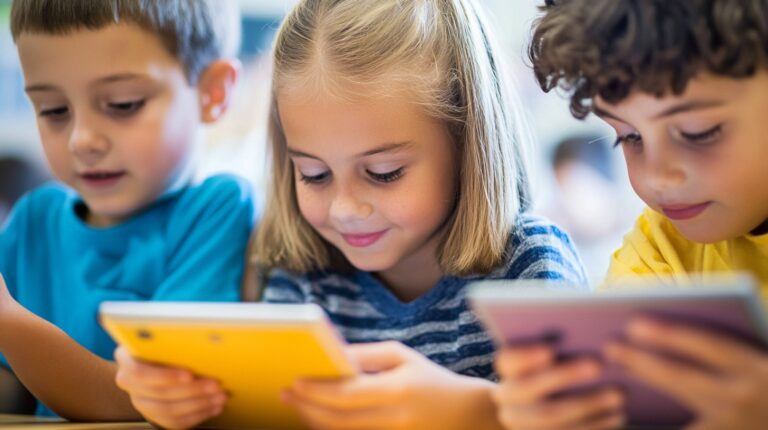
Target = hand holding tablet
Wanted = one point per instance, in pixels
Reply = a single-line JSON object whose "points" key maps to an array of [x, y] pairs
{"points": [[580, 323], [254, 350]]}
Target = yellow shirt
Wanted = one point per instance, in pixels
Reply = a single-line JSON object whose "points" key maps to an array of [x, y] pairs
{"points": [[655, 247]]}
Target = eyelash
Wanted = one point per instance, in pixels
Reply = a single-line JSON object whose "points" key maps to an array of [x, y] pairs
{"points": [[123, 109], [126, 108], [378, 177], [632, 138], [706, 136]]}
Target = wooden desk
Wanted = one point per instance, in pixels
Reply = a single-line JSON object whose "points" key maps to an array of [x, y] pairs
{"points": [[25, 422]]}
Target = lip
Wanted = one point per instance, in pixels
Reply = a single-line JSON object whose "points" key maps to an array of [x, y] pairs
{"points": [[361, 240], [102, 179], [684, 212]]}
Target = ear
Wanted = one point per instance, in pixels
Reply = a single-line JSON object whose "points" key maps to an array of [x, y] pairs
{"points": [[215, 87]]}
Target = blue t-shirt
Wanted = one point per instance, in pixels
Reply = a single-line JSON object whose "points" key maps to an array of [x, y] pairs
{"points": [[438, 324], [189, 245]]}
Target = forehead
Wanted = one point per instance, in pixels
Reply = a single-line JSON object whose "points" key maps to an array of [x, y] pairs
{"points": [[87, 54], [706, 90]]}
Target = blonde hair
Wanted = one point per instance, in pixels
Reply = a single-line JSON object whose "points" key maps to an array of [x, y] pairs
{"points": [[438, 51]]}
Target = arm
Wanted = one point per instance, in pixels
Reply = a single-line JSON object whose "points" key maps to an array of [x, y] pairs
{"points": [[40, 354], [398, 389]]}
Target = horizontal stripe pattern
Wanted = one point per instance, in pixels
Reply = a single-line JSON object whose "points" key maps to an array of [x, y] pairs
{"points": [[439, 324]]}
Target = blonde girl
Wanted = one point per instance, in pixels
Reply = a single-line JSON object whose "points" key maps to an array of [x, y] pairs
{"points": [[398, 177]]}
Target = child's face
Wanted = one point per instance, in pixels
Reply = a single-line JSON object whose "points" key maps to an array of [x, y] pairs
{"points": [[375, 179], [699, 158], [116, 115]]}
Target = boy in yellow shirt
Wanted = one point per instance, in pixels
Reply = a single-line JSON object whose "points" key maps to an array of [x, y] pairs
{"points": [[684, 83]]}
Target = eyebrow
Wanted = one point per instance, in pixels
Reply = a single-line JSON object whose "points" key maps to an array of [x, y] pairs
{"points": [[387, 147], [105, 80], [672, 110]]}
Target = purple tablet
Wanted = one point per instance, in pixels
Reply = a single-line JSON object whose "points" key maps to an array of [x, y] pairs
{"points": [[579, 323]]}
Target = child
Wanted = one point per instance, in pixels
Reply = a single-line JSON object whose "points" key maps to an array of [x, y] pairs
{"points": [[397, 179], [685, 85], [120, 89]]}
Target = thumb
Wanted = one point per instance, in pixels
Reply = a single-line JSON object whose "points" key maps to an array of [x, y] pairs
{"points": [[380, 356]]}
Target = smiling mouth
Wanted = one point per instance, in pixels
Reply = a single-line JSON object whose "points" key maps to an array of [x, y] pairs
{"points": [[684, 212], [361, 240]]}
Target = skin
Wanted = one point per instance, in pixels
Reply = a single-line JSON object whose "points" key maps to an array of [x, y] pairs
{"points": [[108, 100], [705, 146], [375, 165]]}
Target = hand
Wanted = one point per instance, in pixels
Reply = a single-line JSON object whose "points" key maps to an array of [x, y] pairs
{"points": [[169, 397], [399, 389], [727, 391], [530, 376]]}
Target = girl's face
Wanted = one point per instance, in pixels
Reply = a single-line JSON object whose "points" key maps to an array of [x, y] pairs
{"points": [[699, 158], [376, 178]]}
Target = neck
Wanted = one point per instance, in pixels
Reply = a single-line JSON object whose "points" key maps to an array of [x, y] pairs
{"points": [[415, 275]]}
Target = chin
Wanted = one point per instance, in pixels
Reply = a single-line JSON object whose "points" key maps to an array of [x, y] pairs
{"points": [[706, 235], [368, 264]]}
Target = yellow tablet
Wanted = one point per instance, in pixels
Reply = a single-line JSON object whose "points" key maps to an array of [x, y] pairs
{"points": [[254, 349]]}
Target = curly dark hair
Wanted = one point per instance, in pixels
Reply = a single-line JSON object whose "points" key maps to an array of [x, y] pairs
{"points": [[608, 48]]}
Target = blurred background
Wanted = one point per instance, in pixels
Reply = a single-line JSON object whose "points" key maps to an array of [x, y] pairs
{"points": [[580, 180]]}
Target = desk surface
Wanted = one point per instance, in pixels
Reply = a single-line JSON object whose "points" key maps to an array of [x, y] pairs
{"points": [[23, 422]]}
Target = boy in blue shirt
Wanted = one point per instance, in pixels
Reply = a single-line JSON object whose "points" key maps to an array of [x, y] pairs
{"points": [[120, 89]]}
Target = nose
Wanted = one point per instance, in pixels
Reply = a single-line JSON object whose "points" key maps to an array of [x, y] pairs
{"points": [[664, 167], [86, 142], [350, 206]]}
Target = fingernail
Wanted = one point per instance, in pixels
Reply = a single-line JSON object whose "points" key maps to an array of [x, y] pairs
{"points": [[612, 400], [212, 387], [643, 328], [219, 399]]}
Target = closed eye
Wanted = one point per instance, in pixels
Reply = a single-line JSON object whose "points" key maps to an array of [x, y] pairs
{"points": [[54, 113], [126, 108], [386, 177], [704, 137], [315, 179], [633, 138]]}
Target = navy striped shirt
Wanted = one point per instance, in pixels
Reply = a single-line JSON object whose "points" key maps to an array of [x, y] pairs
{"points": [[438, 324]]}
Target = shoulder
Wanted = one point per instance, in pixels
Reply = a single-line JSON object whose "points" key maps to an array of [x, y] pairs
{"points": [[43, 201], [226, 195], [537, 248], [223, 189]]}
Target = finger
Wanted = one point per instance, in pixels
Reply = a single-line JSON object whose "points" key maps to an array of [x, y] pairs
{"points": [[362, 392], [717, 351], [185, 422], [134, 371], [535, 388], [517, 362], [318, 416], [686, 383], [379, 356], [609, 422], [165, 411], [568, 412], [175, 392]]}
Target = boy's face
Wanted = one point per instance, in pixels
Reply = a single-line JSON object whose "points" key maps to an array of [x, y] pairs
{"points": [[116, 115], [699, 158]]}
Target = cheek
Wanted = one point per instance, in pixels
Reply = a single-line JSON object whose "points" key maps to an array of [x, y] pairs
{"points": [[58, 156], [312, 206]]}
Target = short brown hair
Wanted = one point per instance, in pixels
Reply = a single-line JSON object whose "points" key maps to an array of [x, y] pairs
{"points": [[195, 32], [608, 48]]}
